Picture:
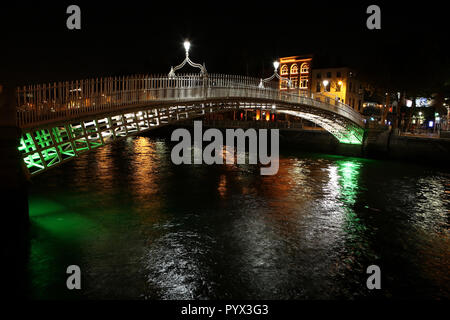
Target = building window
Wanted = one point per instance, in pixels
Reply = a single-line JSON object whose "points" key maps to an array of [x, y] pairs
{"points": [[327, 87], [294, 81], [294, 69], [350, 87], [283, 84], [338, 87], [304, 83], [328, 74], [338, 74], [284, 69], [318, 86], [304, 68], [319, 75]]}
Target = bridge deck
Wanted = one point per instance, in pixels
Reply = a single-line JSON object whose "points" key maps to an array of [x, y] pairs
{"points": [[63, 101]]}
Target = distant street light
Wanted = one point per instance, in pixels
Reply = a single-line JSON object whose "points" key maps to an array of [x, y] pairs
{"points": [[325, 84]]}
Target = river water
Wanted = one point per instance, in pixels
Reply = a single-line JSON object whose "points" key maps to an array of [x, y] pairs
{"points": [[140, 227]]}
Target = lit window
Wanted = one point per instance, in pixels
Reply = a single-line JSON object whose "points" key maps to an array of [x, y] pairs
{"points": [[284, 69], [304, 68], [294, 69], [303, 82], [294, 81]]}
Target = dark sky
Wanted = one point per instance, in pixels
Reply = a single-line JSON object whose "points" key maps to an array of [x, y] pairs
{"points": [[126, 37]]}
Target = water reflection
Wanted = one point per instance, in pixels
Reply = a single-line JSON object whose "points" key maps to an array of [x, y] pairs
{"points": [[175, 266], [141, 227], [222, 188], [144, 165]]}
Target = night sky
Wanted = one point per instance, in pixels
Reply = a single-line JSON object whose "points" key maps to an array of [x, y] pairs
{"points": [[135, 37]]}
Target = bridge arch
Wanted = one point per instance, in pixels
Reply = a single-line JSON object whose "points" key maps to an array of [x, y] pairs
{"points": [[61, 121], [342, 131]]}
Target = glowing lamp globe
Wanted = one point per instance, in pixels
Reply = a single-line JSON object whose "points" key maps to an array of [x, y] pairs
{"points": [[187, 45], [276, 64]]}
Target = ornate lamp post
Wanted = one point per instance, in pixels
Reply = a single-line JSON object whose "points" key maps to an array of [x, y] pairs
{"points": [[187, 60], [276, 64]]}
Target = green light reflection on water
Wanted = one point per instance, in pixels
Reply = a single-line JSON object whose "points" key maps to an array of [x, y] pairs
{"points": [[349, 173], [60, 220], [58, 234]]}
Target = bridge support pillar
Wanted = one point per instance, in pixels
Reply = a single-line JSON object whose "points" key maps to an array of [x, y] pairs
{"points": [[14, 237]]}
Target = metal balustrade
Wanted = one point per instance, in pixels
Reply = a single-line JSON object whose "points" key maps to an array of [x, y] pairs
{"points": [[63, 101]]}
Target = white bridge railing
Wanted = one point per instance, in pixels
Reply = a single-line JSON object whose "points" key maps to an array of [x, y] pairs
{"points": [[60, 101]]}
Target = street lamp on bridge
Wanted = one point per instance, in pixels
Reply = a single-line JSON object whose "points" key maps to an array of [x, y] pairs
{"points": [[276, 64], [187, 46]]}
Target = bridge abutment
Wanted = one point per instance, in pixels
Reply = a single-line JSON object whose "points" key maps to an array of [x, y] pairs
{"points": [[14, 198], [376, 141]]}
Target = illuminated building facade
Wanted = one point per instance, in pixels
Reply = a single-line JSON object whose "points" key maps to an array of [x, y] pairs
{"points": [[341, 84], [298, 70]]}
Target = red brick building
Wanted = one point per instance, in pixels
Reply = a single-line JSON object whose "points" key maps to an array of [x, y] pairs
{"points": [[298, 70]]}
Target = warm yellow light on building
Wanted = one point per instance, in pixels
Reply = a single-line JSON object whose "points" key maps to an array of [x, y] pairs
{"points": [[287, 60]]}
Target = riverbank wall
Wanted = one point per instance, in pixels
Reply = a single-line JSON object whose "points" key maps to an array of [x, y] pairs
{"points": [[381, 145]]}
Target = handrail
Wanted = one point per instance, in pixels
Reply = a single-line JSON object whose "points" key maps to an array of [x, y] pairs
{"points": [[67, 100]]}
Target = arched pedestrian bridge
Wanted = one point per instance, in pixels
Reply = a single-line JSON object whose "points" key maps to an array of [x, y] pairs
{"points": [[61, 120]]}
